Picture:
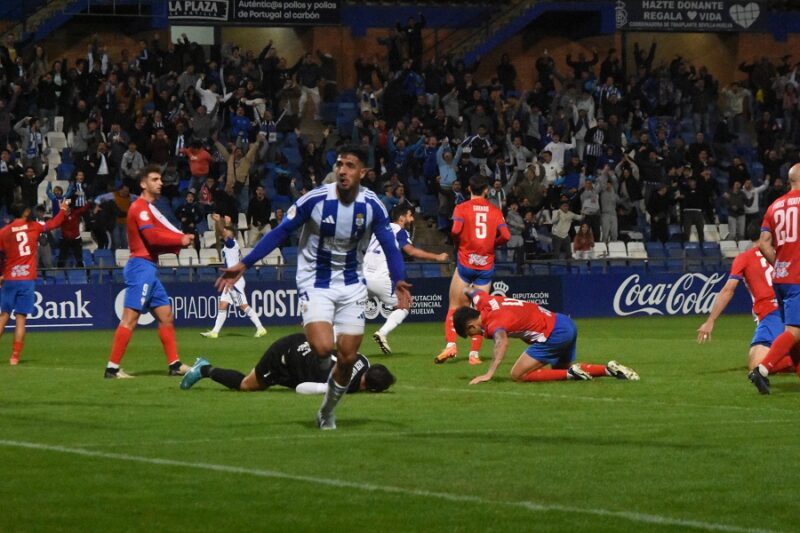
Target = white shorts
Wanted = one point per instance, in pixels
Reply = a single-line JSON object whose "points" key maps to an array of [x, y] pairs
{"points": [[343, 307], [381, 288], [234, 297]]}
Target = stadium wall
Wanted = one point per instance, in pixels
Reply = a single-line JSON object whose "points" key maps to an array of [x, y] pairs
{"points": [[64, 307]]}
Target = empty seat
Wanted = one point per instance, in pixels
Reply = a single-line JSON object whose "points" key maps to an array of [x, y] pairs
{"points": [[724, 232], [600, 249], [241, 225], [188, 257], [711, 233], [616, 249], [273, 258], [168, 260], [744, 245], [209, 239], [636, 250], [76, 276], [121, 256], [729, 249], [655, 250], [693, 250], [208, 256], [56, 140]]}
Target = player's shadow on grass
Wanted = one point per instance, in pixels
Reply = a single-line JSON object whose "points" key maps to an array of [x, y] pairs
{"points": [[725, 370], [355, 423]]}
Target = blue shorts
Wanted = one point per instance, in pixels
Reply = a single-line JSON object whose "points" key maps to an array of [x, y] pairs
{"points": [[558, 350], [768, 329], [475, 277], [788, 302], [143, 290], [18, 297]]}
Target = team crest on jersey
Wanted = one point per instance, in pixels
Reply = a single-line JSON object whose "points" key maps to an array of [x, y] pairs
{"points": [[144, 215], [782, 269], [290, 214], [359, 220]]}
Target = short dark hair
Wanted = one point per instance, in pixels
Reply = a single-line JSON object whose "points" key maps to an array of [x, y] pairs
{"points": [[17, 209], [478, 184], [147, 170], [461, 317], [378, 378], [354, 150], [398, 211]]}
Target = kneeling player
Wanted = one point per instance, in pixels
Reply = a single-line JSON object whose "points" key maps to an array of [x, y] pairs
{"points": [[552, 338], [289, 362]]}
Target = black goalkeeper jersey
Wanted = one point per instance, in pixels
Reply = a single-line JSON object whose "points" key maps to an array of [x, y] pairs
{"points": [[290, 361]]}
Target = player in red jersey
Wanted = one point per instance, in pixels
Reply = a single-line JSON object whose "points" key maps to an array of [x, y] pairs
{"points": [[149, 235], [781, 248], [752, 268], [19, 247], [478, 227], [552, 339]]}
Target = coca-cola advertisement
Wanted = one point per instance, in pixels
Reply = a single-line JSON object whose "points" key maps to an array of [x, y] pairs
{"points": [[649, 295]]}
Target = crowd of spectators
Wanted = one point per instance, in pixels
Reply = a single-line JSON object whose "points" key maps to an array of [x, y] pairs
{"points": [[626, 155]]}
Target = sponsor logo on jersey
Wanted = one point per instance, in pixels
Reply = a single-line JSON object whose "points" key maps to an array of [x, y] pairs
{"points": [[291, 213], [20, 271], [478, 260], [144, 215]]}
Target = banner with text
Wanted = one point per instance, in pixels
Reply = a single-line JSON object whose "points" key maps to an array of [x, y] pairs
{"points": [[691, 16], [256, 12], [65, 307]]}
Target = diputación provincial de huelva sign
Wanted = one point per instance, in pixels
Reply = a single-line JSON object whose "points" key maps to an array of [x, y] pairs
{"points": [[691, 16]]}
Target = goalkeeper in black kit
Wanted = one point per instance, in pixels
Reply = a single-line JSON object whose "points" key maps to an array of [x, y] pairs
{"points": [[289, 362]]}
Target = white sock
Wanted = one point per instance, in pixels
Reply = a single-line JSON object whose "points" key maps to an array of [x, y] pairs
{"points": [[221, 316], [763, 370], [332, 396], [396, 318], [253, 318]]}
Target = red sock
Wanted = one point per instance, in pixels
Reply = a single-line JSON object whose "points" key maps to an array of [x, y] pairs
{"points": [[596, 371], [780, 347], [167, 335], [449, 330], [17, 349], [545, 375], [121, 339], [477, 341], [784, 365]]}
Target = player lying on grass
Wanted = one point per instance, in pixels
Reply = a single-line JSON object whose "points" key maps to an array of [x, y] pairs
{"points": [[552, 339], [752, 268], [290, 362]]}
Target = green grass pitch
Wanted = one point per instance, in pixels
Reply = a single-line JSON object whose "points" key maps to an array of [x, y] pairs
{"points": [[690, 446]]}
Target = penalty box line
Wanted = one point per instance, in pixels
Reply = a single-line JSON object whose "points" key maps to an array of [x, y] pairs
{"points": [[388, 489]]}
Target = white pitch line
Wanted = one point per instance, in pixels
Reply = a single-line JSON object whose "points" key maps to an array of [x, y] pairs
{"points": [[389, 489], [639, 401], [425, 434]]}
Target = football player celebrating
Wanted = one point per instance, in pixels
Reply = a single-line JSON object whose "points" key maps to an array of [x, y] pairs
{"points": [[376, 271], [150, 234], [752, 268], [478, 228], [290, 362], [234, 295], [19, 254], [552, 340]]}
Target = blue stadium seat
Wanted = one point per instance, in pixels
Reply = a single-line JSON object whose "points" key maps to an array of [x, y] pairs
{"points": [[207, 274], [76, 276], [431, 270], [655, 250], [268, 273], [675, 265], [289, 255], [167, 274], [103, 257], [251, 274], [413, 270], [711, 249], [674, 250], [693, 250], [619, 269], [100, 276], [502, 269], [289, 274], [88, 260], [55, 277]]}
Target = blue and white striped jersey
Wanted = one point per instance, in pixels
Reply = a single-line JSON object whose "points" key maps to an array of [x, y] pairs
{"points": [[333, 238], [375, 260]]}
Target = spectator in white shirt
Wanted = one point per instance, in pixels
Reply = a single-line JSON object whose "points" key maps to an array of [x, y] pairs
{"points": [[558, 148]]}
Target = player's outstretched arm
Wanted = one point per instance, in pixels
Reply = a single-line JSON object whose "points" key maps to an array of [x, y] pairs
{"points": [[500, 347], [723, 299], [418, 253]]}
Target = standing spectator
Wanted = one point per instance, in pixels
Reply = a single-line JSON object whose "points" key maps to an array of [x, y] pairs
{"points": [[506, 73], [190, 214], [32, 142], [413, 33], [693, 203], [71, 243], [308, 76], [659, 205], [558, 149], [30, 185], [239, 164], [609, 200], [258, 214], [753, 210], [122, 199], [132, 163], [590, 207], [199, 161], [583, 243], [735, 202], [562, 223]]}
